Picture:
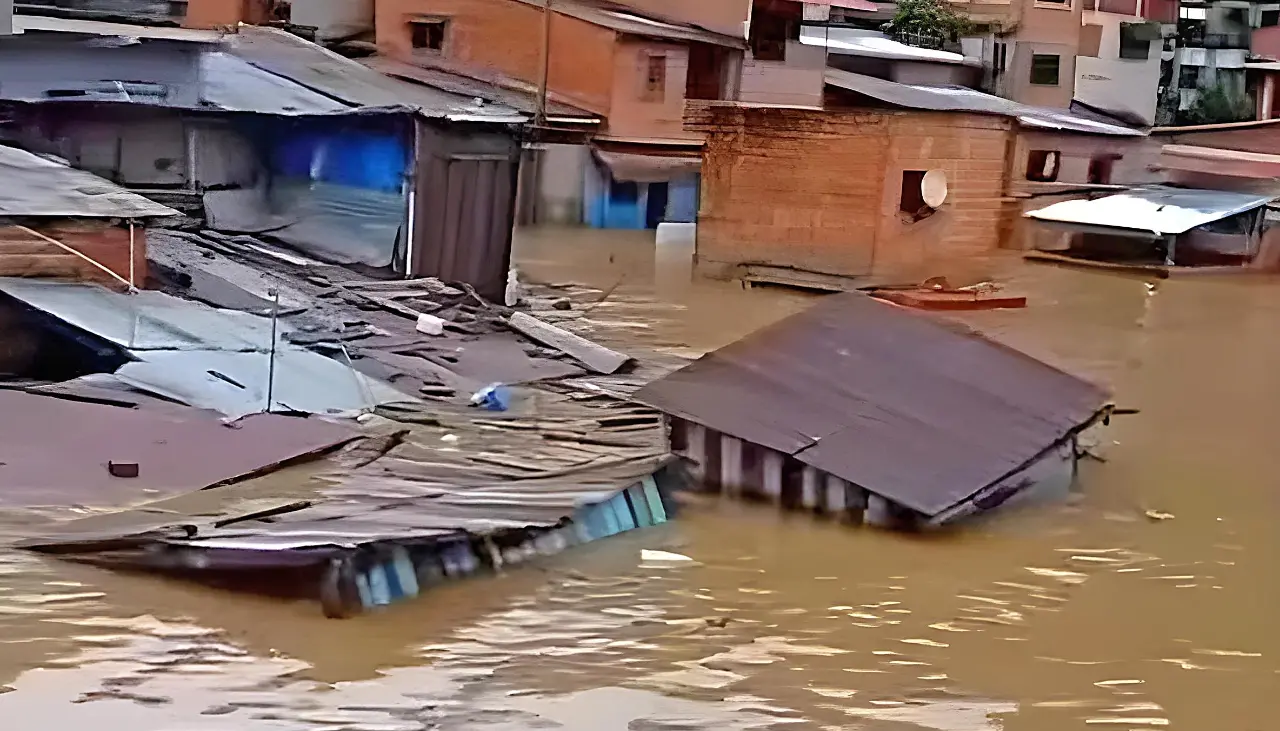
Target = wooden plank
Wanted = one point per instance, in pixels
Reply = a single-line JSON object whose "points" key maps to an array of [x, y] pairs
{"points": [[596, 358]]}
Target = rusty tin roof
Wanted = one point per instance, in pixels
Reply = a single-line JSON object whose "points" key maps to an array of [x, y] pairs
{"points": [[54, 450], [922, 411]]}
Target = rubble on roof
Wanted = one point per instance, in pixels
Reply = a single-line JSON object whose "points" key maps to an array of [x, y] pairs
{"points": [[441, 490]]}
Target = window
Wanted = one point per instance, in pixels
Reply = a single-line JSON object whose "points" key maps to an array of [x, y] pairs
{"points": [[427, 35], [1044, 69], [1064, 4], [998, 60], [1135, 41], [769, 35], [912, 200], [1270, 18], [1042, 165], [655, 79], [1189, 77], [1100, 169], [1189, 13]]}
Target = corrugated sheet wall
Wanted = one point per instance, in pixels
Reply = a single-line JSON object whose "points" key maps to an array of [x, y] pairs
{"points": [[464, 207]]}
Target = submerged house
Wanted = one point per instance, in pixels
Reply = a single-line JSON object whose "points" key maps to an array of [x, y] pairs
{"points": [[1163, 226], [271, 134], [878, 415], [57, 221]]}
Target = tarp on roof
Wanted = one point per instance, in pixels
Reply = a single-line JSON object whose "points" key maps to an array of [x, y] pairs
{"points": [[54, 451], [1157, 209], [31, 185], [205, 357], [961, 99], [920, 411]]}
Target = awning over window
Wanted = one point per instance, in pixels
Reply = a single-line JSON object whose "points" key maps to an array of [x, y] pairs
{"points": [[633, 168]]}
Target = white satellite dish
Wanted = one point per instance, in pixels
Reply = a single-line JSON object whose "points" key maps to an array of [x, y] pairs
{"points": [[933, 188]]}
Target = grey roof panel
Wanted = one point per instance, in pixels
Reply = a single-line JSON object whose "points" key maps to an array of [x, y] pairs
{"points": [[960, 99], [31, 185]]}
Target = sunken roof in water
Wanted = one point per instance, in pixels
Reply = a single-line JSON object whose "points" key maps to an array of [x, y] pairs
{"points": [[919, 410], [37, 187]]}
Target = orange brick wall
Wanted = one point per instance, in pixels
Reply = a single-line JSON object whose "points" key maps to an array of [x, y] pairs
{"points": [[25, 255], [789, 187], [505, 37], [973, 151], [819, 190]]}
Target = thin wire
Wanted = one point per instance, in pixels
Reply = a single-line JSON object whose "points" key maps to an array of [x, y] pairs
{"points": [[87, 258]]}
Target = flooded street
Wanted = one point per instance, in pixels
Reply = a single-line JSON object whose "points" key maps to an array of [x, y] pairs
{"points": [[1082, 615]]}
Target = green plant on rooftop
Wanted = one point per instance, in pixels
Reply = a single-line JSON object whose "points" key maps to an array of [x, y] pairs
{"points": [[927, 24]]}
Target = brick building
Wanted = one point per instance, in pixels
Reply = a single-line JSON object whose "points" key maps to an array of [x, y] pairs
{"points": [[824, 197]]}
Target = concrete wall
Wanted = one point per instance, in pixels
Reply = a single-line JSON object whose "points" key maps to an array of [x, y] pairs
{"points": [[505, 37], [1019, 83], [1266, 42], [560, 193], [819, 191], [1117, 84], [333, 19], [797, 81], [25, 255], [6, 17], [632, 112], [1043, 28]]}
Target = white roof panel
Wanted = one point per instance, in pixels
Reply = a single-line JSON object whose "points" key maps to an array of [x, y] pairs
{"points": [[1158, 209]]}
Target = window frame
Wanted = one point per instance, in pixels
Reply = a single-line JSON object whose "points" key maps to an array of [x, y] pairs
{"points": [[1035, 173], [654, 89], [1057, 69], [425, 26]]}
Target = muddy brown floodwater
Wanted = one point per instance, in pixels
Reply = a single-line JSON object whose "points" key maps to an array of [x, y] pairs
{"points": [[1081, 615]]}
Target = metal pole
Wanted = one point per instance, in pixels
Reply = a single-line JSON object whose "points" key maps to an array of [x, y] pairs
{"points": [[540, 113], [133, 284], [271, 360]]}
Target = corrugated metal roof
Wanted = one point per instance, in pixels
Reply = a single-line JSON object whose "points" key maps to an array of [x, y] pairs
{"points": [[42, 24], [270, 71], [625, 20], [921, 411], [503, 90], [235, 383], [146, 320], [31, 185], [234, 85], [960, 99], [1158, 209], [203, 356], [54, 451], [319, 69]]}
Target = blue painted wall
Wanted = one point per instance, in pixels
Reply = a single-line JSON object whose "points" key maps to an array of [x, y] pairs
{"points": [[371, 160]]}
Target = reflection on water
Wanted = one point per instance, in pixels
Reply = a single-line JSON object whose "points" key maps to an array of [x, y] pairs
{"points": [[1087, 614]]}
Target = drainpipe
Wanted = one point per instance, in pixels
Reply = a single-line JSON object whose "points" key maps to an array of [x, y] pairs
{"points": [[1268, 96], [540, 113]]}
